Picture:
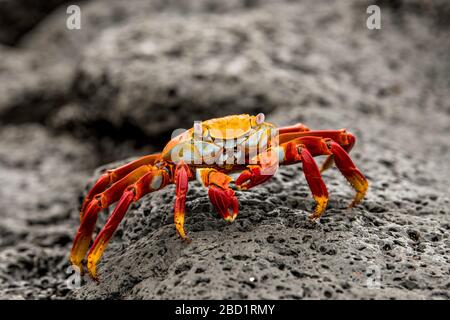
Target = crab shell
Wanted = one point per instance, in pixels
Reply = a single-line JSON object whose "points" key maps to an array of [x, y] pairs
{"points": [[210, 142]]}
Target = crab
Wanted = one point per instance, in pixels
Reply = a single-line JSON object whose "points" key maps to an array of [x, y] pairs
{"points": [[240, 150]]}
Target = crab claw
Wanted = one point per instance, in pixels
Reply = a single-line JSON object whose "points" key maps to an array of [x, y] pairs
{"points": [[225, 202], [253, 176]]}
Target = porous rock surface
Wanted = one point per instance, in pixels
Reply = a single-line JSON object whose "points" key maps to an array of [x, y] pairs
{"points": [[41, 176], [72, 101], [394, 245]]}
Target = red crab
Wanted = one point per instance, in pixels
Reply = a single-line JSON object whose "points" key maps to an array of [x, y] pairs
{"points": [[211, 151]]}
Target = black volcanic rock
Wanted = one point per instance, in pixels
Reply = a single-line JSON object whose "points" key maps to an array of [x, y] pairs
{"points": [[71, 101]]}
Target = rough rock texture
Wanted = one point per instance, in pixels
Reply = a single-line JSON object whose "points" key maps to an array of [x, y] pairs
{"points": [[395, 245], [397, 239], [73, 100], [272, 251], [157, 74], [37, 201]]}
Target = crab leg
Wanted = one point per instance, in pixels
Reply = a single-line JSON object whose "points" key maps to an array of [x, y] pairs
{"points": [[182, 176], [111, 176], [330, 159], [346, 166], [285, 153], [299, 127], [290, 153], [303, 149], [315, 182], [298, 151], [220, 194], [101, 201], [151, 181], [340, 136], [266, 167], [344, 138], [343, 161]]}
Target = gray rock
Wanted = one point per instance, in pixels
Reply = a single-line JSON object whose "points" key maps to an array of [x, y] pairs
{"points": [[171, 74], [158, 74], [174, 73], [136, 72], [99, 15], [19, 16], [394, 245], [31, 86], [385, 248], [152, 72], [41, 176]]}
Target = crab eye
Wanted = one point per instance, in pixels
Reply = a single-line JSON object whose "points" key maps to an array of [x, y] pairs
{"points": [[260, 118]]}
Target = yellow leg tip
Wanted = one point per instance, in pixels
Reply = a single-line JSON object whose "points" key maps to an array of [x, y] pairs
{"points": [[361, 189], [230, 218], [358, 198], [92, 269], [321, 205], [182, 233]]}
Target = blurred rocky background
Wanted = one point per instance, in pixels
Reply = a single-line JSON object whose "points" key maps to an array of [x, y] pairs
{"points": [[74, 100]]}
